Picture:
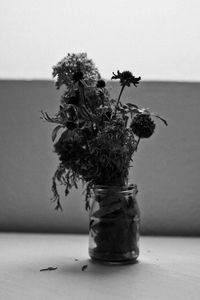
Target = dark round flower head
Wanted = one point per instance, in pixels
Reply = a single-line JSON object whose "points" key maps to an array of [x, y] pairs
{"points": [[77, 76], [101, 83], [126, 78], [126, 75], [73, 100], [142, 126], [70, 125]]}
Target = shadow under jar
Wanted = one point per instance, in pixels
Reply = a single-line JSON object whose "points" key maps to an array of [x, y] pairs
{"points": [[114, 224]]}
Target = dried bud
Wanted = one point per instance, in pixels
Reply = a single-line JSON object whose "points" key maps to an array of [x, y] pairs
{"points": [[142, 126], [101, 83]]}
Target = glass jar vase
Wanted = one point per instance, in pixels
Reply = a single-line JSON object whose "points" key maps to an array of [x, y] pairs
{"points": [[114, 224]]}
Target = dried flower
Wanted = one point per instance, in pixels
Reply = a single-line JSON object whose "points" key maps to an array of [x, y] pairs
{"points": [[64, 70], [142, 125], [126, 78], [98, 143]]}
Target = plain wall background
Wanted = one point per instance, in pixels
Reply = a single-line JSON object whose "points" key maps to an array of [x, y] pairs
{"points": [[158, 39], [166, 166]]}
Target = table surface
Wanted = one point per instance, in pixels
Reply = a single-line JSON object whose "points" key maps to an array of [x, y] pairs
{"points": [[168, 268]]}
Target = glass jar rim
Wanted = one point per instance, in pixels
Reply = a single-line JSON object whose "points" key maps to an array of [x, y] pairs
{"points": [[127, 187]]}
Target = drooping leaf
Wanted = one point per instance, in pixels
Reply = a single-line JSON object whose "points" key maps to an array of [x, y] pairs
{"points": [[161, 118], [55, 131], [47, 118], [132, 105]]}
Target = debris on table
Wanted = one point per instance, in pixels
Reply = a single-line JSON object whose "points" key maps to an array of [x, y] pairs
{"points": [[49, 269], [84, 267]]}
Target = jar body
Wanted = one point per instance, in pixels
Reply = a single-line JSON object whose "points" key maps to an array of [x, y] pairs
{"points": [[114, 224]]}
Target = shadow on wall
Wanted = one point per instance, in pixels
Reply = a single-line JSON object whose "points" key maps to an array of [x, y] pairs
{"points": [[166, 167]]}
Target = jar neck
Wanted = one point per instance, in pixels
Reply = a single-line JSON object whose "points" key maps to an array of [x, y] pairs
{"points": [[129, 186], [109, 181], [130, 189]]}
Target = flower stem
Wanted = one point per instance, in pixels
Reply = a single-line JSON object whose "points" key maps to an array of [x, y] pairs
{"points": [[137, 144], [119, 98], [81, 92]]}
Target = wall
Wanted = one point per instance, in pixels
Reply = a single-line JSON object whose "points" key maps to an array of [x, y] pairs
{"points": [[166, 167], [158, 39]]}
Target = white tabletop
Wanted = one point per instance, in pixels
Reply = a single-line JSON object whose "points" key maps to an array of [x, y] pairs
{"points": [[168, 268]]}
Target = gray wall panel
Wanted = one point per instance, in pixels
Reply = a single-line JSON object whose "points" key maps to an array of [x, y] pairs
{"points": [[166, 167]]}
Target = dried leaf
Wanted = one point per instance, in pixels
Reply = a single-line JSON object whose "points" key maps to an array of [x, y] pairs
{"points": [[162, 119], [49, 269], [55, 131], [84, 267], [132, 105]]}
